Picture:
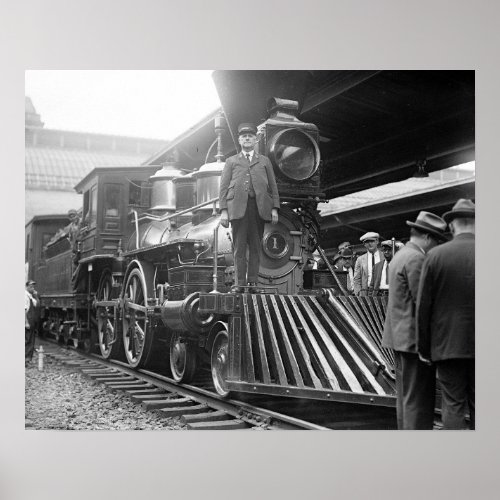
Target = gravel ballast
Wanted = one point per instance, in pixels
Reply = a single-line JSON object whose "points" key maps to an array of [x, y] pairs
{"points": [[62, 398]]}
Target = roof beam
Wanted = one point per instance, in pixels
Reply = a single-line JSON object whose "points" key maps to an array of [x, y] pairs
{"points": [[342, 82]]}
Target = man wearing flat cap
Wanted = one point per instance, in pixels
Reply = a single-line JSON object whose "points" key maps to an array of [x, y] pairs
{"points": [[415, 380], [380, 282], [446, 316], [363, 269], [248, 198]]}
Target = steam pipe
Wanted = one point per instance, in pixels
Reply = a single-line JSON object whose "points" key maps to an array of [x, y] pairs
{"points": [[136, 229], [176, 214]]}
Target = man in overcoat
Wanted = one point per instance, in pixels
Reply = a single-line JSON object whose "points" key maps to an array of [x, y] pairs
{"points": [[363, 269], [415, 380], [248, 198], [446, 315]]}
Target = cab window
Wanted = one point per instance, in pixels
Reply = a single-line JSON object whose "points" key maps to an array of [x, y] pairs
{"points": [[112, 197], [90, 207]]}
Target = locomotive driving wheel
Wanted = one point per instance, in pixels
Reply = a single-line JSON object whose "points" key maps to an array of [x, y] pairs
{"points": [[182, 359], [106, 319], [220, 362], [137, 333]]}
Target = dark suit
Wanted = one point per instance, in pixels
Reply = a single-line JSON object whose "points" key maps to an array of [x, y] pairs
{"points": [[445, 324], [249, 193], [376, 278], [32, 315], [415, 381]]}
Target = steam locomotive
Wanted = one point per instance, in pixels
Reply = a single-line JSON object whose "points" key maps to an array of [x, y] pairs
{"points": [[149, 280]]}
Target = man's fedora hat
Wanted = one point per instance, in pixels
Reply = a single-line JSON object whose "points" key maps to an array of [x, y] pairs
{"points": [[462, 208], [247, 128], [346, 253], [430, 223], [337, 257], [369, 236]]}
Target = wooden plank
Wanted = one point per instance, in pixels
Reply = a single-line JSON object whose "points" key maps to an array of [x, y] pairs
{"points": [[365, 370], [373, 311], [320, 357], [247, 352], [209, 416], [234, 372], [262, 347], [363, 337], [177, 411], [338, 358], [306, 360], [225, 425], [276, 358], [288, 346]]}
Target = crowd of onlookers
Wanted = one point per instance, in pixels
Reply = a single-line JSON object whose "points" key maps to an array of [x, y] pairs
{"points": [[430, 287]]}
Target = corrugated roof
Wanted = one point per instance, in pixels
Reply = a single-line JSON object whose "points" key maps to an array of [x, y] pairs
{"points": [[61, 169], [394, 190]]}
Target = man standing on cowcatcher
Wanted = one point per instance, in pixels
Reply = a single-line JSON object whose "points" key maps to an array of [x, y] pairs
{"points": [[248, 198], [415, 380], [446, 315]]}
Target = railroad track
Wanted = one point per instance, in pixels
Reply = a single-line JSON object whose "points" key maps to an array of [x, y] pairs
{"points": [[198, 408]]}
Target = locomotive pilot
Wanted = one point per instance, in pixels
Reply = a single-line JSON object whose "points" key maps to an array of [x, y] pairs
{"points": [[248, 198]]}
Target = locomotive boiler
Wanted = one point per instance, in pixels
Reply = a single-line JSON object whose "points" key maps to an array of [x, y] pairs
{"points": [[154, 271]]}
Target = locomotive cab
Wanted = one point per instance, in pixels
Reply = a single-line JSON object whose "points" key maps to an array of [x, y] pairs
{"points": [[109, 196]]}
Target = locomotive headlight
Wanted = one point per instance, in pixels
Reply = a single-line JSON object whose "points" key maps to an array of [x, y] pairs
{"points": [[294, 153]]}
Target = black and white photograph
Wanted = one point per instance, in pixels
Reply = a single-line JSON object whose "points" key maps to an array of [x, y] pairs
{"points": [[258, 267], [249, 217]]}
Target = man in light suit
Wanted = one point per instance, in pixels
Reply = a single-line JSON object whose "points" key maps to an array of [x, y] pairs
{"points": [[363, 269], [415, 380], [446, 316], [248, 198]]}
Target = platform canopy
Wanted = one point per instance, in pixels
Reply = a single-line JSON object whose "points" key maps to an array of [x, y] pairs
{"points": [[375, 126]]}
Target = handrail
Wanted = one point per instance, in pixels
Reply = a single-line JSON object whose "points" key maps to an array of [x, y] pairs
{"points": [[176, 214], [216, 256]]}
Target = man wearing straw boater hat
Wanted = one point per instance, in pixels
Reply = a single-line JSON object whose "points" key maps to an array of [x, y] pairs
{"points": [[248, 198], [415, 380], [446, 316]]}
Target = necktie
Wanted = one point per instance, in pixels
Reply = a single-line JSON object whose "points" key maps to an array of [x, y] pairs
{"points": [[373, 261], [248, 157], [387, 273]]}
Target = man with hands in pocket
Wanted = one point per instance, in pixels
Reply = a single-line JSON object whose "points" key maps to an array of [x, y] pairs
{"points": [[248, 198]]}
